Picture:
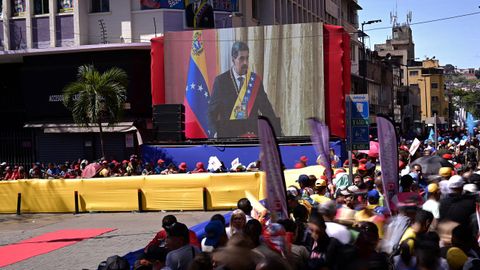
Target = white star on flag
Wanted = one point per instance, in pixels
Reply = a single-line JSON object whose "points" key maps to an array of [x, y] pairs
{"points": [[206, 94], [200, 88], [192, 86], [250, 85], [186, 89], [248, 92], [251, 79]]}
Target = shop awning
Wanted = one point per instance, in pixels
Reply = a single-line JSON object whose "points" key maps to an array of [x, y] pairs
{"points": [[120, 127]]}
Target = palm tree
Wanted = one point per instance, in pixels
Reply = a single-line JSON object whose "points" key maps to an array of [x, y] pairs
{"points": [[96, 97]]}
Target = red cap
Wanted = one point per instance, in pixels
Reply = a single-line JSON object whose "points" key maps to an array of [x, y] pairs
{"points": [[182, 166], [299, 165], [199, 165], [362, 167], [404, 148], [303, 158], [160, 161], [447, 156], [401, 164], [363, 161], [324, 177], [125, 161]]}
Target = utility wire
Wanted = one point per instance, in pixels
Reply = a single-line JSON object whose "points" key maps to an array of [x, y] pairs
{"points": [[428, 21]]}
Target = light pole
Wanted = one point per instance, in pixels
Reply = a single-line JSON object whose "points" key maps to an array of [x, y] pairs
{"points": [[365, 90]]}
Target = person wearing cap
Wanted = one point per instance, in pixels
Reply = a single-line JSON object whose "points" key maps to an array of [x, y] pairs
{"points": [[305, 190], [432, 204], [328, 211], [160, 167], [215, 236], [147, 170], [199, 168], [182, 168], [457, 206], [320, 189], [181, 253]]}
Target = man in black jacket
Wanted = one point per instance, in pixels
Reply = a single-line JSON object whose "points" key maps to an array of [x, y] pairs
{"points": [[199, 15], [238, 98], [457, 206]]}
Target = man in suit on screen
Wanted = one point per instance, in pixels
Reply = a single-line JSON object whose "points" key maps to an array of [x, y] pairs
{"points": [[238, 99]]}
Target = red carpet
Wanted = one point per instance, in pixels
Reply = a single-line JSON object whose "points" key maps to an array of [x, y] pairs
{"points": [[45, 243]]}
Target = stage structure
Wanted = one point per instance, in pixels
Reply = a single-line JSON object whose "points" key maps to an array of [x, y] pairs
{"points": [[227, 77]]}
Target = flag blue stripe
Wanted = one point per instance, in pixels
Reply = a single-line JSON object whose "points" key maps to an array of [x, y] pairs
{"points": [[197, 94]]}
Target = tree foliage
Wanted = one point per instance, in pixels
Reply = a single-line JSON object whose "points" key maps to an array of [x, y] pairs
{"points": [[96, 97]]}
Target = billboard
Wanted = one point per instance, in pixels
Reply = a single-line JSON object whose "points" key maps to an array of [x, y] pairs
{"points": [[226, 78]]}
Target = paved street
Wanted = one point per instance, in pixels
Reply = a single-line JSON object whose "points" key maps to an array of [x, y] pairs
{"points": [[133, 231]]}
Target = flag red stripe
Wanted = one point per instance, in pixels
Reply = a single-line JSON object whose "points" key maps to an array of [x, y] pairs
{"points": [[193, 129], [253, 96]]}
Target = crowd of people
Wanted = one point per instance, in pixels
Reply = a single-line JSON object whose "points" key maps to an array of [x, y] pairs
{"points": [[347, 223], [113, 168]]}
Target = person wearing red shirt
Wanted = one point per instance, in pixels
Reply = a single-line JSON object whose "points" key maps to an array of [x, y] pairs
{"points": [[161, 236]]}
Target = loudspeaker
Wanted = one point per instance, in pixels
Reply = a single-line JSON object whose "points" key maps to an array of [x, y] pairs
{"points": [[175, 136], [169, 109], [169, 122]]}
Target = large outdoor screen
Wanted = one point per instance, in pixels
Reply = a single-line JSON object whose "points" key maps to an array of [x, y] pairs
{"points": [[226, 78]]}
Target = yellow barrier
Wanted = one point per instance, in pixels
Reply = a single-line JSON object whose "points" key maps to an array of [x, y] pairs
{"points": [[158, 192], [175, 192]]}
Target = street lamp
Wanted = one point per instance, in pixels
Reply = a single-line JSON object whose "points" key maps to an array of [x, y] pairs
{"points": [[365, 53]]}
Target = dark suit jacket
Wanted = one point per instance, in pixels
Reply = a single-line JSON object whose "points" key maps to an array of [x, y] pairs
{"points": [[206, 19], [221, 104]]}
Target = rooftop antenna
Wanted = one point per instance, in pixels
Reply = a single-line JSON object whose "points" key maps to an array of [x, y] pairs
{"points": [[393, 16], [409, 17]]}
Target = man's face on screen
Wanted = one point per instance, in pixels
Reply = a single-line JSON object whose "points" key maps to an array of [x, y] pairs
{"points": [[241, 63]]}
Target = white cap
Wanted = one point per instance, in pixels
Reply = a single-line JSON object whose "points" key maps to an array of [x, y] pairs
{"points": [[472, 188], [456, 181]]}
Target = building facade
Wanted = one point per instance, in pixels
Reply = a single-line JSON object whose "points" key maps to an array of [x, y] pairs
{"points": [[51, 38], [428, 76]]}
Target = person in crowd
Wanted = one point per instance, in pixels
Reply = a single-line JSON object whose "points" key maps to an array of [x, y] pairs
{"points": [[237, 222], [305, 190], [302, 162], [199, 168], [182, 167], [299, 254], [432, 205], [160, 166], [457, 206], [215, 236], [421, 225], [327, 252], [320, 191], [161, 236], [52, 172], [105, 170], [245, 205], [328, 211], [148, 170], [181, 252], [171, 169]]}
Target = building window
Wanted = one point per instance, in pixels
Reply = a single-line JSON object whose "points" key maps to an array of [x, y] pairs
{"points": [[434, 85], [40, 7], [413, 73], [18, 7], [256, 9], [434, 99], [100, 6], [65, 6]]}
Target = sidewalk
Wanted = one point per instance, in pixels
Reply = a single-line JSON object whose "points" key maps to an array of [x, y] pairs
{"points": [[133, 231]]}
